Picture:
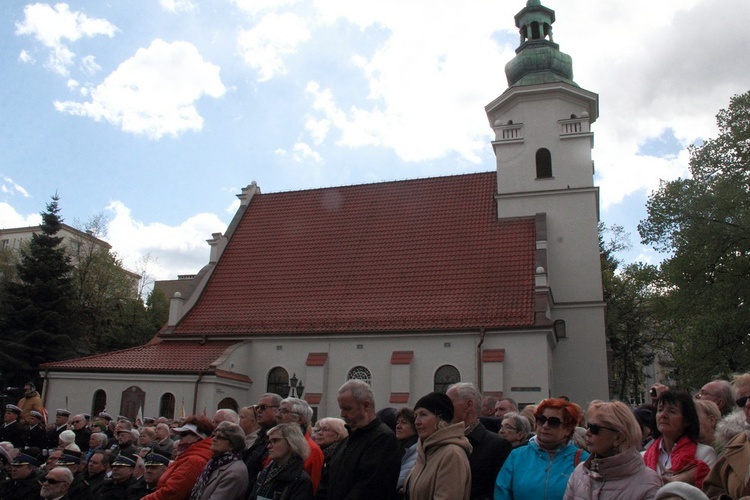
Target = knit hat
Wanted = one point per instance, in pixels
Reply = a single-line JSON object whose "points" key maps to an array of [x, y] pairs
{"points": [[437, 403], [680, 490], [68, 436]]}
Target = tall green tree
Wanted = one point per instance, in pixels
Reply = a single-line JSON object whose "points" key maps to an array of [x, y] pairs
{"points": [[37, 320], [704, 223], [634, 331]]}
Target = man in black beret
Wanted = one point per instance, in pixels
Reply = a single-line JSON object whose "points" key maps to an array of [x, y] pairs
{"points": [[12, 430]]}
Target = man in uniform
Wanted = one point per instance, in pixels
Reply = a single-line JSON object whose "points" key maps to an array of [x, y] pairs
{"points": [[24, 482], [117, 486], [11, 430], [79, 488], [155, 464], [61, 424], [36, 436]]}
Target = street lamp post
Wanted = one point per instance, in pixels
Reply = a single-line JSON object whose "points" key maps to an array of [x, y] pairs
{"points": [[295, 387]]}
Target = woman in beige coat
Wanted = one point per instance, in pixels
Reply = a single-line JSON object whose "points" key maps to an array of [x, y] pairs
{"points": [[442, 467]]}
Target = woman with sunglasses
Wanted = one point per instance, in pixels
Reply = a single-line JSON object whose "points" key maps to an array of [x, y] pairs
{"points": [[676, 455], [193, 452], [285, 477], [729, 477], [225, 475], [615, 469], [541, 469]]}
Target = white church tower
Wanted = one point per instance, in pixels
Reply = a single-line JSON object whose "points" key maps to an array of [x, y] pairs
{"points": [[543, 144]]}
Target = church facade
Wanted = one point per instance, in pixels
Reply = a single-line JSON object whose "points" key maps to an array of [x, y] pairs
{"points": [[492, 278]]}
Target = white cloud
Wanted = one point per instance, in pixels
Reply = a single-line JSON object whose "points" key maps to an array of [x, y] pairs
{"points": [[53, 27], [10, 218], [9, 186], [26, 58], [89, 65], [265, 45], [153, 92], [255, 7], [175, 6], [180, 249]]}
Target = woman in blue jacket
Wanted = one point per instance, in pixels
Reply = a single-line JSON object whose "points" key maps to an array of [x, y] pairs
{"points": [[541, 470]]}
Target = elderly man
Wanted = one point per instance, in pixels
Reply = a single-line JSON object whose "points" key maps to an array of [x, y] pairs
{"points": [[225, 415], [368, 464], [82, 432], [255, 456], [24, 482], [96, 470], [56, 484], [125, 440], [61, 424], [505, 405], [489, 450], [720, 392], [488, 406], [11, 430], [294, 410], [79, 488], [162, 442]]}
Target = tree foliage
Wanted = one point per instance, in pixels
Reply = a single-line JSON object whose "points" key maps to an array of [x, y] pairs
{"points": [[704, 222], [37, 304], [632, 294]]}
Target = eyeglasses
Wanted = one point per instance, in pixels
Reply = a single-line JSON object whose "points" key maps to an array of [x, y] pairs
{"points": [[266, 407], [50, 480], [596, 428], [553, 422], [511, 428], [742, 401]]}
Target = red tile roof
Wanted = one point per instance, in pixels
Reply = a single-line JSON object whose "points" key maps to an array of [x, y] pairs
{"points": [[170, 357], [416, 255]]}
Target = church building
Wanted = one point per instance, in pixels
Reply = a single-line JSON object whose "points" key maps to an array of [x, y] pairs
{"points": [[491, 278]]}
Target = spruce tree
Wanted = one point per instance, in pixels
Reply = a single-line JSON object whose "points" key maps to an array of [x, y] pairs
{"points": [[37, 324]]}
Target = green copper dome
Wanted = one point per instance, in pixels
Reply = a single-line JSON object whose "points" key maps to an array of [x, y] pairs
{"points": [[538, 58]]}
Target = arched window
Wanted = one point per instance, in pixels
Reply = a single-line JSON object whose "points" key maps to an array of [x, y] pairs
{"points": [[166, 405], [445, 376], [278, 382], [229, 403], [133, 399], [99, 402], [360, 373], [543, 164]]}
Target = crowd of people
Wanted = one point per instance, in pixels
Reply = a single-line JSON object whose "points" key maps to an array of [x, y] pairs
{"points": [[456, 445]]}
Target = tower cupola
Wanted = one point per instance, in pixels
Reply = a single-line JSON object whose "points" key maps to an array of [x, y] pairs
{"points": [[538, 58]]}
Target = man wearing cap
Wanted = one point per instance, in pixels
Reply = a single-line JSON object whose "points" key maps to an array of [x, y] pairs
{"points": [[56, 485], [125, 441], [30, 401], [24, 483], [61, 424], [117, 486], [155, 465], [368, 464], [36, 436], [106, 419], [79, 487], [12, 430]]}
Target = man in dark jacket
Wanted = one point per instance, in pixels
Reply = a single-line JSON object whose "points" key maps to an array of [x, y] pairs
{"points": [[489, 450], [11, 429], [255, 456], [368, 463], [122, 478], [36, 436], [24, 479]]}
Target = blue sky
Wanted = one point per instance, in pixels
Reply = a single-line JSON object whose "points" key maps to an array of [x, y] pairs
{"points": [[156, 113]]}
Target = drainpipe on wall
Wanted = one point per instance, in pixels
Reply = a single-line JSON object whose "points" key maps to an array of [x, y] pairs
{"points": [[195, 392], [479, 359]]}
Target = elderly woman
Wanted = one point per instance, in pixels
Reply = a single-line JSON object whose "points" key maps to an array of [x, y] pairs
{"points": [[515, 429], [615, 469], [541, 469], [249, 423], [442, 467], [225, 476], [406, 435], [193, 453], [329, 433], [676, 455], [285, 476], [708, 416], [729, 477]]}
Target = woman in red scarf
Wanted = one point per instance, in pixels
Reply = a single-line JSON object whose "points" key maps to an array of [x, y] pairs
{"points": [[676, 454]]}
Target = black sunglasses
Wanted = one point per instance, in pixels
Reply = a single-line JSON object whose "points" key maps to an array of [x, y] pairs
{"points": [[553, 422], [49, 480], [742, 401], [596, 429]]}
